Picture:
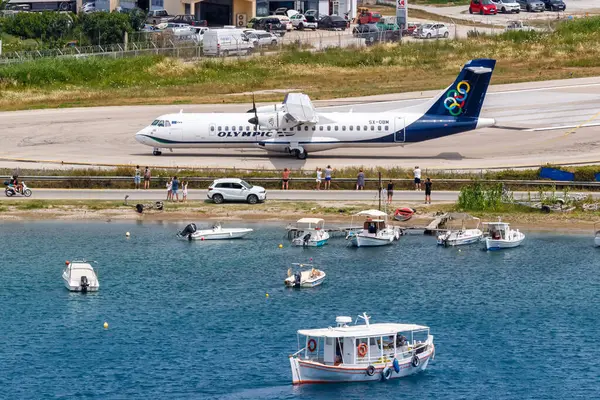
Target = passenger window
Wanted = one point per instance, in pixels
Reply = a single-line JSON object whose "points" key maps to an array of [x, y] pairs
{"points": [[386, 127], [226, 128], [372, 127], [219, 128], [247, 128], [284, 129], [236, 185], [358, 127], [306, 127], [344, 127], [336, 128], [314, 128], [366, 128], [299, 128], [320, 128], [378, 127], [351, 127], [241, 128], [212, 128], [161, 123], [329, 127]]}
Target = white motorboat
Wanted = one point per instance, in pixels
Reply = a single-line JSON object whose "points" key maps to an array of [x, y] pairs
{"points": [[79, 276], [303, 279], [217, 232], [597, 234], [311, 232], [358, 353], [462, 236], [499, 236], [375, 232]]}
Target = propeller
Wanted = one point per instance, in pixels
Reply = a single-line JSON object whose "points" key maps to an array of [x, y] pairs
{"points": [[254, 120]]}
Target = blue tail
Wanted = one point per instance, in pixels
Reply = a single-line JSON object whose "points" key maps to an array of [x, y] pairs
{"points": [[464, 98]]}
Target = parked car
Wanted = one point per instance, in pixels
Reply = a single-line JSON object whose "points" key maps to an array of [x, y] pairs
{"points": [[285, 20], [532, 5], [189, 19], [198, 32], [280, 11], [410, 29], [388, 23], [507, 6], [517, 26], [368, 17], [555, 5], [333, 22], [374, 33], [224, 42], [429, 31], [300, 22], [482, 7], [252, 21], [158, 17], [232, 189], [271, 24], [312, 13], [262, 39]]}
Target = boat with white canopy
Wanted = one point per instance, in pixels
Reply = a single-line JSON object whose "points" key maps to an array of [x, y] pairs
{"points": [[375, 232], [597, 234], [359, 353], [499, 235], [311, 232], [460, 236]]}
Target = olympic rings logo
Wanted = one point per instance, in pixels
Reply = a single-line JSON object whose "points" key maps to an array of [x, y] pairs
{"points": [[455, 101]]}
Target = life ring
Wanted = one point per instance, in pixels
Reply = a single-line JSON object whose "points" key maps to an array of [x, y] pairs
{"points": [[370, 370], [386, 374], [415, 361], [312, 345], [362, 349]]}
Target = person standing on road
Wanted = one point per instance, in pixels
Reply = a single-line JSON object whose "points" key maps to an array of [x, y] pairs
{"points": [[285, 177], [360, 180], [319, 178], [170, 189], [390, 191], [428, 185], [328, 172], [184, 185], [175, 188], [417, 173], [137, 177], [147, 177]]}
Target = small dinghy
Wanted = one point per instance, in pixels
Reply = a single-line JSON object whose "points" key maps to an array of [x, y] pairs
{"points": [[499, 236], [462, 236], [79, 276], [303, 279], [404, 214], [217, 232], [311, 233]]}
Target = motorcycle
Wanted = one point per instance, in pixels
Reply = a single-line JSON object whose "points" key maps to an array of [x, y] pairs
{"points": [[11, 190]]}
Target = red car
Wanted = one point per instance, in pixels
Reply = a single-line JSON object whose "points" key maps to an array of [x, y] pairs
{"points": [[483, 7], [369, 18]]}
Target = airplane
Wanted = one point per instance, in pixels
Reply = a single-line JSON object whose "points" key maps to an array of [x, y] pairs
{"points": [[295, 127]]}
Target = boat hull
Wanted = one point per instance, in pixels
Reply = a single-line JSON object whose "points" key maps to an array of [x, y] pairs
{"points": [[222, 234], [76, 287], [597, 241], [305, 371], [494, 244], [318, 240], [305, 284], [369, 241], [460, 240]]}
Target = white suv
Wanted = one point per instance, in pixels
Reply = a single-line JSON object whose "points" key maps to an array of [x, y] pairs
{"points": [[428, 31], [232, 189], [300, 22]]}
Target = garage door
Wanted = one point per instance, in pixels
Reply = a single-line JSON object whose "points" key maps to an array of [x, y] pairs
{"points": [[217, 12]]}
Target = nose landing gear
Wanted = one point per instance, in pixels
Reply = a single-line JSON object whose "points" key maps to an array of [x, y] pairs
{"points": [[156, 151]]}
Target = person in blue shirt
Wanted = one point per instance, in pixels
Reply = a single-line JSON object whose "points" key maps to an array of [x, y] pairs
{"points": [[174, 188]]}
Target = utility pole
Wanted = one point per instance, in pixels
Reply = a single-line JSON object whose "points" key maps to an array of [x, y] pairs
{"points": [[379, 190]]}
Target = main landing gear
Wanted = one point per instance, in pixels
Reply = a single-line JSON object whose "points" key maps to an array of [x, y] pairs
{"points": [[299, 153], [156, 151]]}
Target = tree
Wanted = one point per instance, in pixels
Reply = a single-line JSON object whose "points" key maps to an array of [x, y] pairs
{"points": [[50, 27], [137, 18], [104, 28]]}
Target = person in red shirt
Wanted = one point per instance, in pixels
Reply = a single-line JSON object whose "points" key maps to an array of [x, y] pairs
{"points": [[285, 178]]}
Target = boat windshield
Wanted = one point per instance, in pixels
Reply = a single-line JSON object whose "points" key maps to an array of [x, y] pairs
{"points": [[246, 184]]}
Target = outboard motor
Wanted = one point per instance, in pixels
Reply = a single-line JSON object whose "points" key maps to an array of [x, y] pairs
{"points": [[306, 238], [187, 231], [84, 284], [297, 279], [139, 208], [159, 205]]}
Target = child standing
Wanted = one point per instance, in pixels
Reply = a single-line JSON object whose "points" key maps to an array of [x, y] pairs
{"points": [[319, 178], [169, 189], [184, 185]]}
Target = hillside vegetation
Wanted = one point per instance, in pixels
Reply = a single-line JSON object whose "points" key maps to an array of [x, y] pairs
{"points": [[572, 50]]}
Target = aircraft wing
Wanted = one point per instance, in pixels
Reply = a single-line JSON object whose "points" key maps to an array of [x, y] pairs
{"points": [[299, 109]]}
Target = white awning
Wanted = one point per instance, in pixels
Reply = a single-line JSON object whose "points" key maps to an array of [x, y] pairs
{"points": [[310, 220], [372, 213], [360, 331]]}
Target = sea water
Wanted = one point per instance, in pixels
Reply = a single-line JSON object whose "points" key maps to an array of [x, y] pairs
{"points": [[192, 319]]}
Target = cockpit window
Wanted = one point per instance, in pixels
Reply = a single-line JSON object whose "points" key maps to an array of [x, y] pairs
{"points": [[155, 122], [161, 123], [167, 124]]}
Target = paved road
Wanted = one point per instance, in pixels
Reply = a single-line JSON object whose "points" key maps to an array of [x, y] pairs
{"points": [[289, 195], [105, 135]]}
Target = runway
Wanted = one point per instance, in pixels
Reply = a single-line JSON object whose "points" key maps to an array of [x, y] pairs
{"points": [[535, 125]]}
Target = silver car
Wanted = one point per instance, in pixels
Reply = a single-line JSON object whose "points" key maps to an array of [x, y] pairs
{"points": [[262, 39], [532, 5], [233, 189]]}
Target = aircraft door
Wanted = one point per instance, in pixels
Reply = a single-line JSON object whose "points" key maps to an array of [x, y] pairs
{"points": [[399, 130]]}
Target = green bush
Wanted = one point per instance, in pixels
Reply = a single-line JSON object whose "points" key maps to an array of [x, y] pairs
{"points": [[476, 197], [104, 28], [50, 27]]}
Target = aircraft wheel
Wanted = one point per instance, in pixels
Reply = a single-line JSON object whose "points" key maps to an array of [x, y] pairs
{"points": [[156, 152]]}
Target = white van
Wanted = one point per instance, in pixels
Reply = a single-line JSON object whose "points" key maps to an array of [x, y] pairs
{"points": [[223, 42]]}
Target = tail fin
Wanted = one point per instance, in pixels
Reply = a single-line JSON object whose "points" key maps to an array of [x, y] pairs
{"points": [[464, 98]]}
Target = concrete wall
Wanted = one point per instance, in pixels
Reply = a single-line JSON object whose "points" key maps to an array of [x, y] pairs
{"points": [[243, 7]]}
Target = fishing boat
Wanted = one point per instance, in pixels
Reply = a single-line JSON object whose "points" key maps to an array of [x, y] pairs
{"points": [[404, 214], [311, 233], [360, 353], [302, 279], [375, 232], [216, 232], [461, 236], [499, 235], [597, 234], [79, 276]]}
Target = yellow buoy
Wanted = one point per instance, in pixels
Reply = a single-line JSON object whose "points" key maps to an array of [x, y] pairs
{"points": [[267, 295], [127, 234], [106, 325], [280, 246]]}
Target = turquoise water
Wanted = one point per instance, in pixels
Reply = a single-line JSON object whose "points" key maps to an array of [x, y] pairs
{"points": [[191, 320]]}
